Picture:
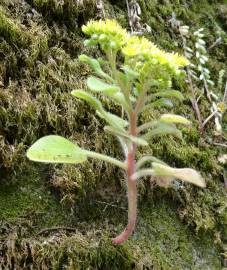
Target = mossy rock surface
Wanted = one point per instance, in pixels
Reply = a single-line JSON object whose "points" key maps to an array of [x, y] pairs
{"points": [[178, 228], [38, 232]]}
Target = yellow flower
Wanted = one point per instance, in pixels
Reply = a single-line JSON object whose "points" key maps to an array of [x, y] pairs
{"points": [[177, 59], [143, 48], [106, 32], [221, 107], [109, 34], [137, 46]]}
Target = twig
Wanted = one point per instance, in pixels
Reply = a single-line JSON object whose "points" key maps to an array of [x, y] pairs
{"points": [[225, 94], [217, 42], [191, 86], [129, 15], [139, 33], [134, 16], [100, 6], [198, 99], [208, 118], [109, 204], [207, 90], [194, 102], [220, 144], [43, 231], [225, 178]]}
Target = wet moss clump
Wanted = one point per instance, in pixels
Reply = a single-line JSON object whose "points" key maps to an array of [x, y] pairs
{"points": [[161, 242], [12, 31], [66, 10]]}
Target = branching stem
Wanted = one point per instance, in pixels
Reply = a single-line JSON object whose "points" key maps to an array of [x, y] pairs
{"points": [[132, 188], [111, 160]]}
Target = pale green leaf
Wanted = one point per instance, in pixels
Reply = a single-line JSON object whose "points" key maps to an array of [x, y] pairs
{"points": [[124, 134], [113, 119], [174, 118], [95, 65], [170, 94], [118, 120], [130, 73], [94, 102], [145, 159], [162, 102], [138, 140], [161, 129], [98, 85], [56, 149], [185, 174], [120, 99]]}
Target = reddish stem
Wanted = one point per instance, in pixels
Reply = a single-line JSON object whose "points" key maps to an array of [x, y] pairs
{"points": [[132, 189]]}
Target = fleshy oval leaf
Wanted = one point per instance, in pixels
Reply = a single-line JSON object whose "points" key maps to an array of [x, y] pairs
{"points": [[130, 73], [162, 129], [123, 134], [94, 102], [120, 99], [161, 102], [170, 94], [185, 174], [117, 120], [95, 66], [174, 118], [97, 85], [112, 119], [56, 149]]}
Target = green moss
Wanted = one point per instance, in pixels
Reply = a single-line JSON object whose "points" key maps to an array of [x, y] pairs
{"points": [[31, 198], [12, 31], [222, 14], [66, 10], [160, 242], [22, 45]]}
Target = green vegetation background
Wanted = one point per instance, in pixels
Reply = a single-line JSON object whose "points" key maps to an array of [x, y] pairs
{"points": [[178, 228]]}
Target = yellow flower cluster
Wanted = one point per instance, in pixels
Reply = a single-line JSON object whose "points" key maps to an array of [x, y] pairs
{"points": [[109, 34], [143, 48], [138, 46], [108, 31]]}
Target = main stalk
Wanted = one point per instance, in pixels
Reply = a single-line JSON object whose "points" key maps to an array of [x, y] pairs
{"points": [[132, 188]]}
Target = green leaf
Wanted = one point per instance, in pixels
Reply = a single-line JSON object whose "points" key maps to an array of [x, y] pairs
{"points": [[112, 119], [174, 118], [170, 94], [56, 149], [95, 66], [138, 140], [124, 134], [145, 159], [163, 129], [98, 85], [130, 73], [94, 102], [114, 161], [162, 102], [119, 98], [117, 120], [185, 174], [111, 91]]}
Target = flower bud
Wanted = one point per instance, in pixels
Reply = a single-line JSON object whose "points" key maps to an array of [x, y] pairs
{"points": [[95, 36], [113, 45], [102, 37]]}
